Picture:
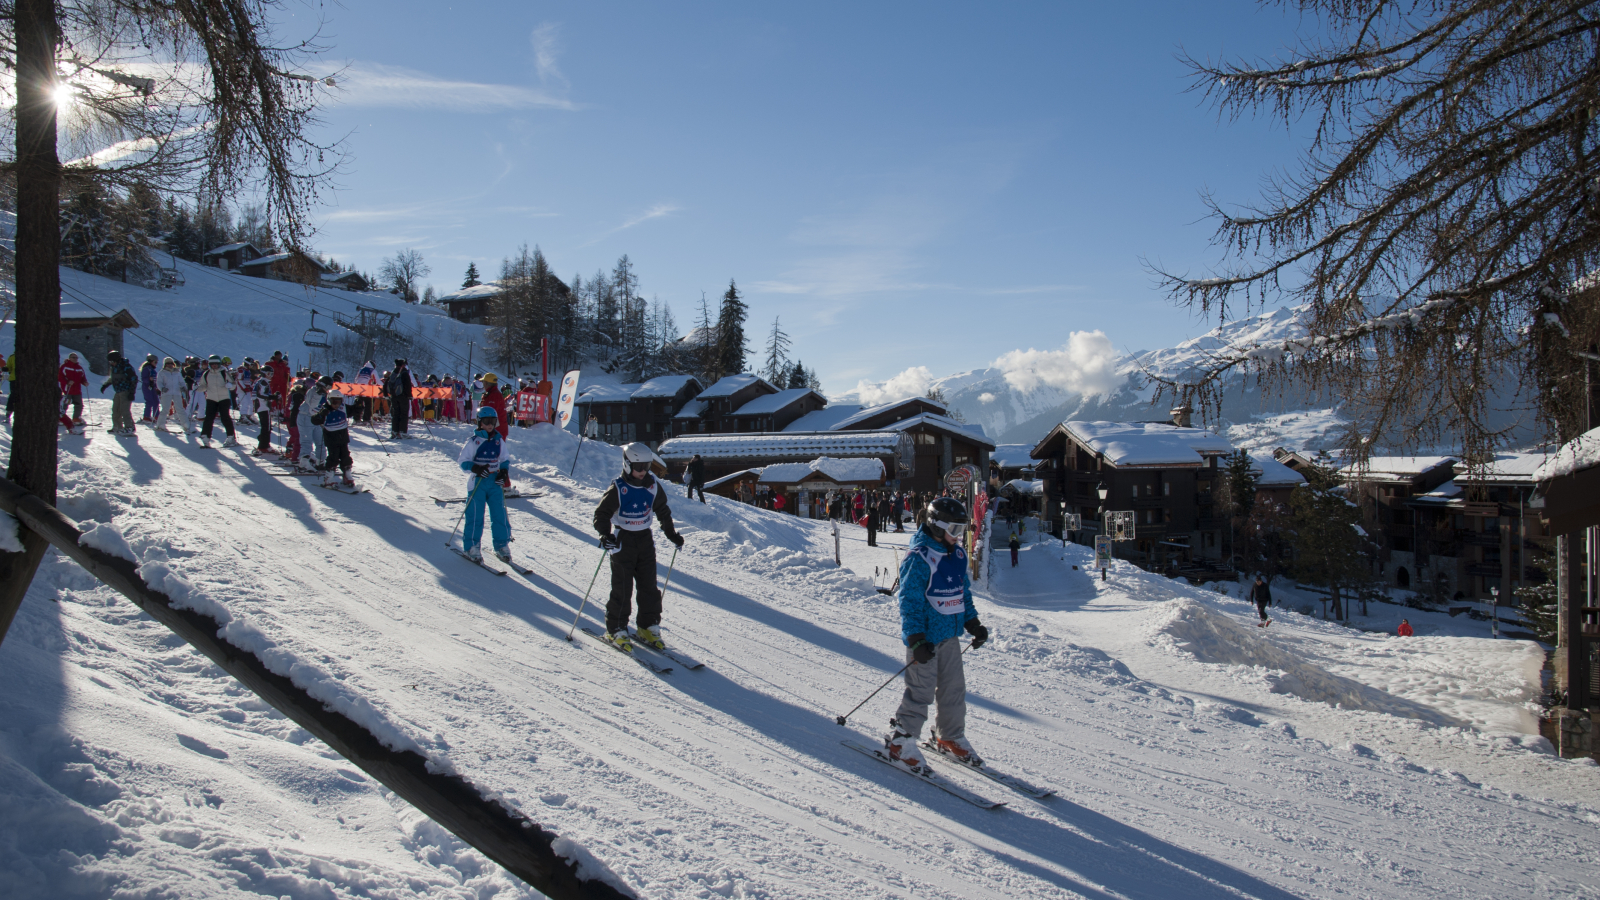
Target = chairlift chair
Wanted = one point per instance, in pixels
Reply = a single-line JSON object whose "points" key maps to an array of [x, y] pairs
{"points": [[314, 336]]}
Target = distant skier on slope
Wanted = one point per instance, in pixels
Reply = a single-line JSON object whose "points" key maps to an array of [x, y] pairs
{"points": [[487, 459], [935, 606], [1261, 596], [631, 504]]}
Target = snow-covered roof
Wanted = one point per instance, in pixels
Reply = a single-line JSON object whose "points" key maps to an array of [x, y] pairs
{"points": [[839, 470], [1013, 456], [783, 446], [1024, 486], [1447, 491], [476, 292], [825, 419], [607, 393], [1148, 443], [771, 403], [939, 421], [229, 248], [727, 478], [729, 385], [1507, 467], [691, 410], [1274, 474], [663, 386], [873, 411], [1580, 453], [1391, 467]]}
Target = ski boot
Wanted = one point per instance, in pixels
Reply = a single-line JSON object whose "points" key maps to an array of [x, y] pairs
{"points": [[231, 441], [903, 748], [961, 750], [503, 553], [474, 553], [621, 640], [649, 637], [345, 479], [205, 441]]}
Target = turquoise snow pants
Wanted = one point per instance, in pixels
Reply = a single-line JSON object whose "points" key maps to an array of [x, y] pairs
{"points": [[486, 491]]}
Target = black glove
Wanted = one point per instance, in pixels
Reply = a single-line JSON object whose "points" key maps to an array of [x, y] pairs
{"points": [[676, 539], [480, 470], [980, 634], [609, 543], [921, 650], [504, 478]]}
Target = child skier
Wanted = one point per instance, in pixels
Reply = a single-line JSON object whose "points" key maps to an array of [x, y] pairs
{"points": [[297, 396], [935, 605], [630, 504], [169, 389], [335, 423], [487, 459]]}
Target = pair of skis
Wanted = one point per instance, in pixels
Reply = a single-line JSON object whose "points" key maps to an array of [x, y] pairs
{"points": [[926, 774], [667, 655], [531, 495], [484, 564]]}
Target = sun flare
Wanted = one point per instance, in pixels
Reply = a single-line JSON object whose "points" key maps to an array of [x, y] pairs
{"points": [[63, 95]]}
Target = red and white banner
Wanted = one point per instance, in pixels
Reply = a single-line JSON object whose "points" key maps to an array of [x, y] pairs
{"points": [[532, 406], [568, 394]]}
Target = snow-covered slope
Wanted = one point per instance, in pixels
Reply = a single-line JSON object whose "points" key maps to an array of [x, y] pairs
{"points": [[1189, 764], [233, 315]]}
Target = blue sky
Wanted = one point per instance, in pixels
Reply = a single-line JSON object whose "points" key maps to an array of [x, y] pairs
{"points": [[903, 184]]}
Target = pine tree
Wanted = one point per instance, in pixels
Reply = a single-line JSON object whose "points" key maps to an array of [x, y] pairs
{"points": [[472, 276], [1238, 495], [1329, 546], [797, 377], [705, 348], [731, 350], [777, 355]]}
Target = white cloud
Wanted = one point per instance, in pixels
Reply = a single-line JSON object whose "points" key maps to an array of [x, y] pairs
{"points": [[913, 382], [376, 84], [986, 397], [544, 54], [654, 212], [1086, 364]]}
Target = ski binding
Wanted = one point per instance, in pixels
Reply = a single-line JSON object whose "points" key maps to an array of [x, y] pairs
{"points": [[986, 771], [928, 776], [659, 670]]}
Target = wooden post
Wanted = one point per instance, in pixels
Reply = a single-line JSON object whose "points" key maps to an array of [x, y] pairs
{"points": [[1573, 601]]}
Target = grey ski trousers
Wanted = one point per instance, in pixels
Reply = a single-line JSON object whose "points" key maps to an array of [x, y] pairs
{"points": [[941, 679]]}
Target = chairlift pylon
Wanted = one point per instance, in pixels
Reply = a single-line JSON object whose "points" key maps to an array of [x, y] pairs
{"points": [[314, 336]]}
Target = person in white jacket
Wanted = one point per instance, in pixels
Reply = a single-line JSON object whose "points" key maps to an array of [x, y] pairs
{"points": [[316, 398], [217, 385], [169, 382]]}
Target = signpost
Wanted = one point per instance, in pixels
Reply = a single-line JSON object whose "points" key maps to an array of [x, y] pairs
{"points": [[1102, 553]]}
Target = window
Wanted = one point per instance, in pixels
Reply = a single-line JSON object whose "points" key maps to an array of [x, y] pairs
{"points": [[1135, 488], [1166, 489]]}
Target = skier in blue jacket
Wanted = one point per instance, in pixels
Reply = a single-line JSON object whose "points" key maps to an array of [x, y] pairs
{"points": [[935, 607], [487, 459]]}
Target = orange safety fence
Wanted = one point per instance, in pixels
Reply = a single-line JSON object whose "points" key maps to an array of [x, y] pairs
{"points": [[372, 390]]}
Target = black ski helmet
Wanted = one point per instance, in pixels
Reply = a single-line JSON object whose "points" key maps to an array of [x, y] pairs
{"points": [[947, 514]]}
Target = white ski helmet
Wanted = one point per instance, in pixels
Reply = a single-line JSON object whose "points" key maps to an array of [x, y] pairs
{"points": [[336, 394], [636, 453]]}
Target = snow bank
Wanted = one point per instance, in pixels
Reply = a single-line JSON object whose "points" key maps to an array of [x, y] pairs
{"points": [[107, 538], [1579, 453], [1187, 627], [10, 534]]}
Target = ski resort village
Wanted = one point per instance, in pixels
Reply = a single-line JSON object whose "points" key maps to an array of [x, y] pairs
{"points": [[929, 452]]}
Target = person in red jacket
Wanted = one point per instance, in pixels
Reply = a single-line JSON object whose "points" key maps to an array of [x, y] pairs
{"points": [[71, 379], [280, 379], [493, 398], [1405, 628]]}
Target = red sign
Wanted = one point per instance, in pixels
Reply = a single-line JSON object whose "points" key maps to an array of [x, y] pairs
{"points": [[532, 406]]}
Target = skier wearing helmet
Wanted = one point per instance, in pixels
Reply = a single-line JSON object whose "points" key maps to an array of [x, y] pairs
{"points": [[335, 422], [487, 459], [935, 606], [630, 505]]}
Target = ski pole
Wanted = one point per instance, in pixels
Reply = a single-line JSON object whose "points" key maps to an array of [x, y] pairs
{"points": [[471, 497], [674, 562], [841, 719], [585, 602], [574, 466]]}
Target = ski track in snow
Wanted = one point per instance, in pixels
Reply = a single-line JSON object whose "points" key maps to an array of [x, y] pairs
{"points": [[1194, 755]]}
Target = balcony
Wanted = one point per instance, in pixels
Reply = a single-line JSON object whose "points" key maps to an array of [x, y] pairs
{"points": [[1471, 538]]}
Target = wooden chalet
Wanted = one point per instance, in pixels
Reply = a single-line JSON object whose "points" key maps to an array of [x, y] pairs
{"points": [[289, 266], [230, 256]]}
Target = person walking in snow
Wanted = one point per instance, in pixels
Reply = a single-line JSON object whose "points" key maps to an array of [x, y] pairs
{"points": [[1261, 596], [72, 380], [215, 386], [147, 386], [630, 505], [935, 607], [486, 459], [695, 475], [316, 399], [334, 421], [872, 521], [169, 390], [123, 381], [266, 402], [1016, 545], [1405, 628]]}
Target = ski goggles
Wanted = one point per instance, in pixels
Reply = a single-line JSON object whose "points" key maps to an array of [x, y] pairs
{"points": [[955, 529]]}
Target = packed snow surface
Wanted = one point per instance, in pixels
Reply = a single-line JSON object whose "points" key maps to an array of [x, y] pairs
{"points": [[1195, 755]]}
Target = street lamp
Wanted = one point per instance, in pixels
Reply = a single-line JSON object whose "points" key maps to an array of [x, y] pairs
{"points": [[1104, 492], [1494, 592]]}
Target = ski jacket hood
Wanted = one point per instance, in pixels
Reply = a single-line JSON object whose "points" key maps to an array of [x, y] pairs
{"points": [[918, 611]]}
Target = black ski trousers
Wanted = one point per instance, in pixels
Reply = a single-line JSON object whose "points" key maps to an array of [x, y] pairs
{"points": [[215, 408], [399, 412], [338, 444], [634, 564]]}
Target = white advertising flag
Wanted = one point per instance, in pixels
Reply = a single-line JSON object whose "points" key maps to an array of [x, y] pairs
{"points": [[567, 395]]}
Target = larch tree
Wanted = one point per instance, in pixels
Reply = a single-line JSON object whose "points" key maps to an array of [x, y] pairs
{"points": [[193, 95], [777, 368], [402, 271], [1442, 228]]}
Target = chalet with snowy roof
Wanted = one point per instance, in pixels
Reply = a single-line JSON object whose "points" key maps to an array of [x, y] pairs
{"points": [[1009, 462], [1468, 534], [727, 454], [637, 412], [346, 281], [93, 333], [941, 443], [471, 304], [1163, 472], [229, 257], [291, 265], [774, 412], [725, 396], [1274, 480]]}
